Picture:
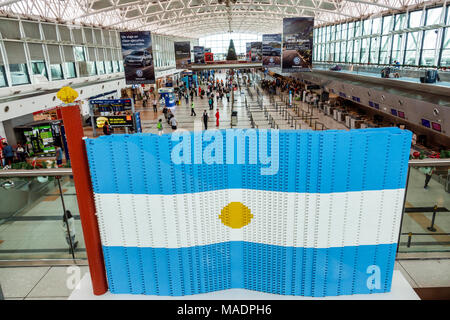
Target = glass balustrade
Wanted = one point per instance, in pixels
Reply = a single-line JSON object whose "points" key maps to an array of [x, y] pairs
{"points": [[31, 218], [426, 216]]}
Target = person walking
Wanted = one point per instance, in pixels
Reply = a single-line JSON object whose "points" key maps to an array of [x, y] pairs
{"points": [[68, 227], [217, 117], [59, 156], [169, 116], [186, 97], [144, 100], [228, 95], [165, 111], [8, 154], [173, 122], [428, 171], [192, 109], [160, 127], [192, 95], [205, 119], [20, 151], [107, 129], [155, 103]]}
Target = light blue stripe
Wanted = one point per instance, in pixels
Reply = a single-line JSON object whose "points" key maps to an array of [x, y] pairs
{"points": [[238, 264], [309, 161]]}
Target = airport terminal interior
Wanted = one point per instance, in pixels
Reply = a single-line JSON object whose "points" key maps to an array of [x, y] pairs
{"points": [[158, 67]]}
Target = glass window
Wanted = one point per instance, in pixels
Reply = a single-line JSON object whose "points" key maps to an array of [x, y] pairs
{"points": [[387, 20], [367, 27], [376, 25], [356, 51], [365, 50], [109, 66], [414, 18], [79, 54], [411, 48], [384, 56], [70, 70], [19, 74], [92, 68], [399, 20], [343, 51], [433, 16], [396, 48], [344, 31], [428, 48], [445, 57], [100, 67], [3, 82], [56, 71], [39, 68], [358, 29], [349, 55], [374, 50]]}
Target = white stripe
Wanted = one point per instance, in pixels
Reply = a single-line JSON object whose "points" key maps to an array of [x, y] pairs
{"points": [[285, 219]]}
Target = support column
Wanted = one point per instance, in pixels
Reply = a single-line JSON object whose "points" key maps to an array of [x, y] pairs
{"points": [[85, 197]]}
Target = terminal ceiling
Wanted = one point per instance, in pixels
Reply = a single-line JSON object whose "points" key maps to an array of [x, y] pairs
{"points": [[197, 18]]}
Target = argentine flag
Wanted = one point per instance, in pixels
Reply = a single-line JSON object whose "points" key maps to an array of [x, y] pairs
{"points": [[291, 212]]}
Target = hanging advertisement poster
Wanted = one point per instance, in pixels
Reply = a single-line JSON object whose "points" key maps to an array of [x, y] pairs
{"points": [[248, 51], [199, 54], [256, 49], [297, 44], [137, 57], [271, 50], [182, 54]]}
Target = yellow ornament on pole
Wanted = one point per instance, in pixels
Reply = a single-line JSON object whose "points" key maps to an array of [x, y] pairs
{"points": [[67, 95]]}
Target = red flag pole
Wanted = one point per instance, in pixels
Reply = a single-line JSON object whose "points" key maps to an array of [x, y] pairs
{"points": [[85, 196]]}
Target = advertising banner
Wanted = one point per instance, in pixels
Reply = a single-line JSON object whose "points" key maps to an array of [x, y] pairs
{"points": [[256, 49], [182, 54], [199, 54], [297, 44], [207, 50], [271, 50], [248, 51], [137, 119], [137, 57], [114, 121]]}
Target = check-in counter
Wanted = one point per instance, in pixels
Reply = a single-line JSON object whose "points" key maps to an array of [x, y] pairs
{"points": [[329, 110], [355, 123], [335, 114], [341, 114], [347, 120]]}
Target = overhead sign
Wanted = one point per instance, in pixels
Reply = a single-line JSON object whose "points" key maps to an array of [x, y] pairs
{"points": [[182, 54], [110, 105], [271, 50], [256, 49], [297, 44], [138, 57], [199, 54]]}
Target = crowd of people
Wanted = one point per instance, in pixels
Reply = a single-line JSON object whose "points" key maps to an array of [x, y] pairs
{"points": [[10, 154], [208, 87]]}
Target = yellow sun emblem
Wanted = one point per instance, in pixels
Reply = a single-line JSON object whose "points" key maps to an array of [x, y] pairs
{"points": [[236, 215]]}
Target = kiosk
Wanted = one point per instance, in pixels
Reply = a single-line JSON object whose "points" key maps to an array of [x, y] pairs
{"points": [[167, 97]]}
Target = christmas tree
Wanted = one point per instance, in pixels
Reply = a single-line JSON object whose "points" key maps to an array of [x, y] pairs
{"points": [[231, 51]]}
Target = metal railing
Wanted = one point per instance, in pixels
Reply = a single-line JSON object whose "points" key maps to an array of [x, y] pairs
{"points": [[36, 172]]}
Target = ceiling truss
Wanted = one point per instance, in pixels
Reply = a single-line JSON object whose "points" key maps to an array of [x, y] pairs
{"points": [[196, 18]]}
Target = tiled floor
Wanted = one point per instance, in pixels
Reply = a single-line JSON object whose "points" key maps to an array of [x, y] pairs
{"points": [[34, 283]]}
